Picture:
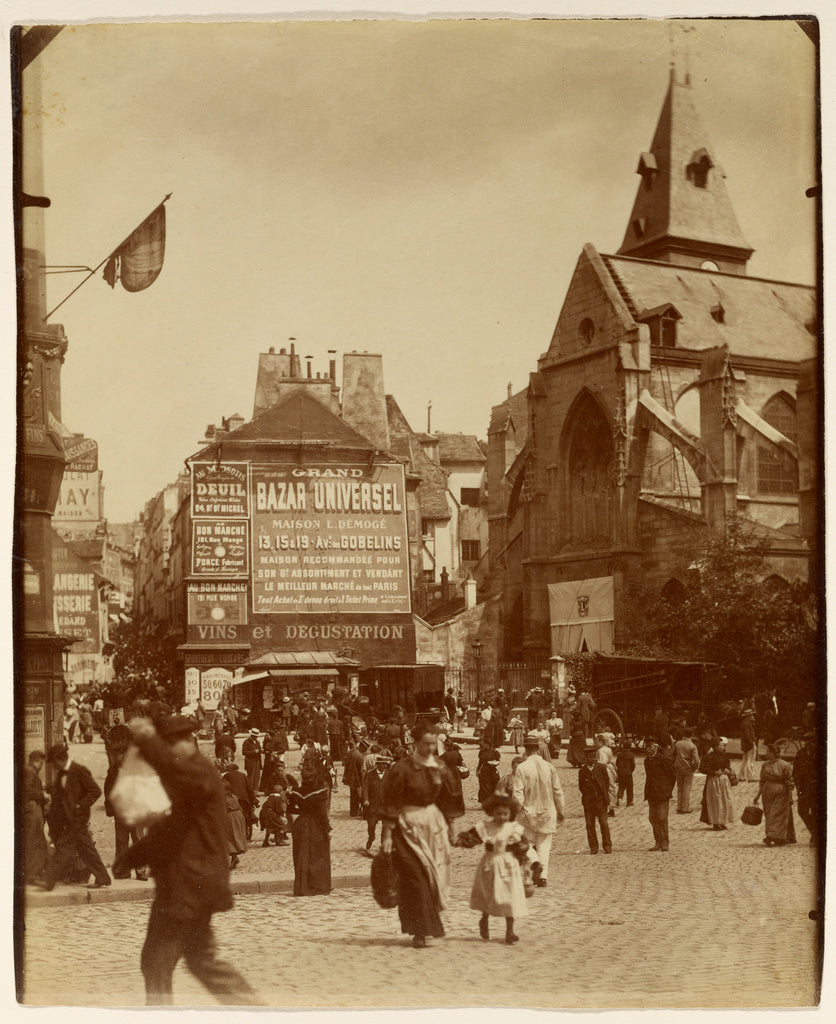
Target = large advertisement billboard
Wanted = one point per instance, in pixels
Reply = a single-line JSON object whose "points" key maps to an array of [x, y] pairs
{"points": [[329, 539]]}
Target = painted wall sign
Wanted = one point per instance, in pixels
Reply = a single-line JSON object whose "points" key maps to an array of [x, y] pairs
{"points": [[80, 498], [220, 547], [76, 609], [330, 539], [220, 491]]}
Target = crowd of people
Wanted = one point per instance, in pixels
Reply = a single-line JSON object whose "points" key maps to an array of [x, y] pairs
{"points": [[406, 780]]}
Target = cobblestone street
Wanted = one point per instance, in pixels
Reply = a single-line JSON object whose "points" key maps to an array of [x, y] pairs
{"points": [[718, 921]]}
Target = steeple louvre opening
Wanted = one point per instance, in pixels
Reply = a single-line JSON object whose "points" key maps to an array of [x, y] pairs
{"points": [[682, 212]]}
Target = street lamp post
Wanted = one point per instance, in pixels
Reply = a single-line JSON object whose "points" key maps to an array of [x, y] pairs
{"points": [[477, 654]]}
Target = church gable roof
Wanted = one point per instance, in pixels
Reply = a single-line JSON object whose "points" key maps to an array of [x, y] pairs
{"points": [[761, 319], [683, 194]]}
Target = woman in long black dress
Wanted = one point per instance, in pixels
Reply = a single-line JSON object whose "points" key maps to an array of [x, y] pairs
{"points": [[452, 757], [310, 831], [417, 821]]}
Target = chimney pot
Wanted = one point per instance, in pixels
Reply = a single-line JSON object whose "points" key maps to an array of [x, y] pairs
{"points": [[271, 350], [509, 388]]}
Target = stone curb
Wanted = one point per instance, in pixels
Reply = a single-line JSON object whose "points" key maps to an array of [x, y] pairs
{"points": [[130, 891]]}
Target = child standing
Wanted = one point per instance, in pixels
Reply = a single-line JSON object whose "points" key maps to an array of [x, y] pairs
{"points": [[517, 733], [498, 886], [273, 817], [625, 765]]}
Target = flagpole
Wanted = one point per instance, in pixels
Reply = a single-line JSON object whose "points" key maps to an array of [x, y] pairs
{"points": [[100, 265]]}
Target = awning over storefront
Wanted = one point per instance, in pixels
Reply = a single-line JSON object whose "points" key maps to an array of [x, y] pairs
{"points": [[582, 613], [296, 660]]}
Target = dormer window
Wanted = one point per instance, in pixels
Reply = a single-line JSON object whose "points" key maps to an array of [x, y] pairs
{"points": [[648, 169], [718, 314], [698, 167], [662, 321]]}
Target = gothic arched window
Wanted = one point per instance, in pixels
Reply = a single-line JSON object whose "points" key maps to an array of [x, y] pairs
{"points": [[589, 474], [777, 469]]}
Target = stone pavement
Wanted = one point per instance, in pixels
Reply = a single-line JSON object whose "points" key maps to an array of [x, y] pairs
{"points": [[718, 921]]}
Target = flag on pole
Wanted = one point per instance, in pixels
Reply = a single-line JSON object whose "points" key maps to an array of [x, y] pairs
{"points": [[137, 262]]}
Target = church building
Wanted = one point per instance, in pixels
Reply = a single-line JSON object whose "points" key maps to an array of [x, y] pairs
{"points": [[677, 392]]}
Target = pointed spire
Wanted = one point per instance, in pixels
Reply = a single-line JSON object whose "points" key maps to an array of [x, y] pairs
{"points": [[682, 212]]}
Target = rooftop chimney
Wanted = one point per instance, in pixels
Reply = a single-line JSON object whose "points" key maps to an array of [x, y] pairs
{"points": [[470, 592], [332, 363], [364, 398], [509, 388]]}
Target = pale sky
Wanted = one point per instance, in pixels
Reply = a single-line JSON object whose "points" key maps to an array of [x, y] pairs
{"points": [[418, 189]]}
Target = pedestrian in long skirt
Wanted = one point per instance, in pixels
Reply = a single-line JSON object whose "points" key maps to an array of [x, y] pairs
{"points": [[717, 803], [498, 889]]}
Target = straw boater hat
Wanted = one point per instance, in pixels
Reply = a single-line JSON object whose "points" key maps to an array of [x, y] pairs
{"points": [[253, 732]]}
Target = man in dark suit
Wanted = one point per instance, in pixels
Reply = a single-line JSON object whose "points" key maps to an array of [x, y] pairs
{"points": [[658, 789], [594, 784], [73, 793], [187, 852]]}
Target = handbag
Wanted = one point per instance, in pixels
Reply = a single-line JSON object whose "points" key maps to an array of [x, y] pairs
{"points": [[752, 815], [138, 796], [732, 776], [385, 881], [464, 773]]}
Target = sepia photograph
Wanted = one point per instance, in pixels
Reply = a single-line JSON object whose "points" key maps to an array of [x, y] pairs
{"points": [[419, 490]]}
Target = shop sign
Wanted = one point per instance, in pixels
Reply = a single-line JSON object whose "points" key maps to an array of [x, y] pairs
{"points": [[82, 454], [192, 695], [79, 500], [214, 657], [34, 729], [220, 491], [76, 609], [214, 683], [219, 548], [330, 539], [216, 604]]}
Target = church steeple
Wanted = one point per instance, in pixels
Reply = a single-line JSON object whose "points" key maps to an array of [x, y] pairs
{"points": [[682, 213]]}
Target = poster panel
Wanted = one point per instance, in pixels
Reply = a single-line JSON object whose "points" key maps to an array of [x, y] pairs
{"points": [[329, 539], [34, 729], [192, 690], [220, 548], [220, 491], [214, 682]]}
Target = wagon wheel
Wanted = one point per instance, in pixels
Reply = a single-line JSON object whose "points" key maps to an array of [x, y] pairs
{"points": [[607, 720]]}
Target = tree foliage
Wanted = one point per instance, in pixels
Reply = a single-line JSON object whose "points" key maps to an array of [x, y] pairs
{"points": [[731, 609], [145, 658]]}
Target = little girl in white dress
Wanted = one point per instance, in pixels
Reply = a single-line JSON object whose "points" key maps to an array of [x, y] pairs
{"points": [[498, 889]]}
